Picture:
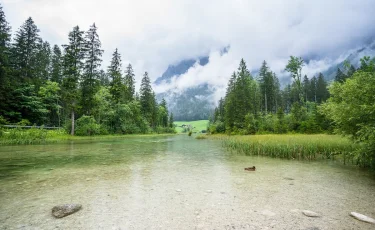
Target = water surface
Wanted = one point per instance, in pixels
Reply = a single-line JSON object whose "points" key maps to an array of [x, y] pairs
{"points": [[175, 182]]}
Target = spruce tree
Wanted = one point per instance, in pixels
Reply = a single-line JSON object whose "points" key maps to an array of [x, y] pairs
{"points": [[306, 88], [43, 64], [171, 121], [129, 83], [322, 93], [163, 113], [147, 98], [103, 78], [25, 48], [340, 76], [5, 78], [56, 65], [117, 88], [72, 69], [90, 76]]}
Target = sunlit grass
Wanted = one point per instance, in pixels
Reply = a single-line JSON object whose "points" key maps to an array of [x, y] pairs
{"points": [[301, 147], [198, 126]]}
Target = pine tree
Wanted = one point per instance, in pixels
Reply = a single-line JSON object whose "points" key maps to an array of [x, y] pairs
{"points": [[56, 65], [25, 48], [103, 78], [322, 93], [264, 85], [117, 88], [306, 88], [351, 71], [90, 77], [163, 113], [129, 83], [230, 103], [313, 84], [5, 79], [147, 98], [340, 76], [72, 69], [171, 121], [43, 65]]}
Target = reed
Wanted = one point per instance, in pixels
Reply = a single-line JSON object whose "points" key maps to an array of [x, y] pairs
{"points": [[300, 147], [201, 137]]}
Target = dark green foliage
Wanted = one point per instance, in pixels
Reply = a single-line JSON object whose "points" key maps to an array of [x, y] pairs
{"points": [[53, 87], [87, 126], [90, 76], [147, 99], [56, 65], [294, 66], [5, 68], [340, 76], [26, 49], [290, 110], [351, 107], [117, 87], [129, 83]]}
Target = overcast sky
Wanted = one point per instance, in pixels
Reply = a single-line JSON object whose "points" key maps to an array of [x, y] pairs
{"points": [[154, 34]]}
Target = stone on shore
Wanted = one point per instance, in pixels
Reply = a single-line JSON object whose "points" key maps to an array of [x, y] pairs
{"points": [[310, 213], [61, 211], [362, 217]]}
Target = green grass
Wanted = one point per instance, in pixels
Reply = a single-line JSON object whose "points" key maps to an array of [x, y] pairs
{"points": [[43, 136], [300, 147], [198, 126]]}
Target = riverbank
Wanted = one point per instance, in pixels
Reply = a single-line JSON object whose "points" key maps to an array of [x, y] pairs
{"points": [[43, 136], [292, 146]]}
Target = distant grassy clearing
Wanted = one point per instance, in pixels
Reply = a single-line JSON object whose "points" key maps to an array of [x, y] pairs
{"points": [[301, 147], [198, 126]]}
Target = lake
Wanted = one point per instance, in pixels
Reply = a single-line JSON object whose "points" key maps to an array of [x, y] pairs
{"points": [[175, 182]]}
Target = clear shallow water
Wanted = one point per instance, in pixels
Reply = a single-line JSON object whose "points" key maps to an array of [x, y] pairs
{"points": [[175, 182]]}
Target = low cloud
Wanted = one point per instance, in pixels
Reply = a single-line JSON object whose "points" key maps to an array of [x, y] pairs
{"points": [[154, 34]]}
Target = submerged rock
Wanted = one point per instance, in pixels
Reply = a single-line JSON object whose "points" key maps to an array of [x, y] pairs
{"points": [[310, 213], [61, 211], [362, 217]]}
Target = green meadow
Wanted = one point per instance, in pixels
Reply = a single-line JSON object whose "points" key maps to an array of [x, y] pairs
{"points": [[197, 126]]}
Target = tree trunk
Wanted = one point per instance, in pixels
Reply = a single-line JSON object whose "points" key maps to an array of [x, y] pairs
{"points": [[72, 131]]}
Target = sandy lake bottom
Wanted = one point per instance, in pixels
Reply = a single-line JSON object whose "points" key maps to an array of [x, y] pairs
{"points": [[175, 182]]}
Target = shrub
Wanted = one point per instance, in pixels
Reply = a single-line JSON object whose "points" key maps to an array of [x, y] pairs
{"points": [[87, 126]]}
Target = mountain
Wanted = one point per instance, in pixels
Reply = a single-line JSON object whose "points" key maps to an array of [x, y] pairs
{"points": [[181, 68], [354, 59], [196, 103], [191, 104]]}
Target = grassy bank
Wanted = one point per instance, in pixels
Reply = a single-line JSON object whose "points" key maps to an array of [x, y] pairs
{"points": [[43, 136], [197, 126], [301, 147]]}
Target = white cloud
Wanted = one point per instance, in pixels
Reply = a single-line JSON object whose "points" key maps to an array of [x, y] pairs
{"points": [[153, 34]]}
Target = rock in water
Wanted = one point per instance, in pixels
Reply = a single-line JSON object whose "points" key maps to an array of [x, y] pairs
{"points": [[61, 211], [363, 218], [310, 213]]}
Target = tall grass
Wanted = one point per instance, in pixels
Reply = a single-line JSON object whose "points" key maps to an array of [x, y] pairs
{"points": [[31, 136], [300, 147], [20, 136]]}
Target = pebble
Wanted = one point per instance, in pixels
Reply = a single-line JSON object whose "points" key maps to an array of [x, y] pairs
{"points": [[362, 217], [310, 213], [178, 190], [268, 213], [209, 191]]}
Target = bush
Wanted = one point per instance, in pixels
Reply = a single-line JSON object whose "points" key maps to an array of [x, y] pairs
{"points": [[87, 126]]}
